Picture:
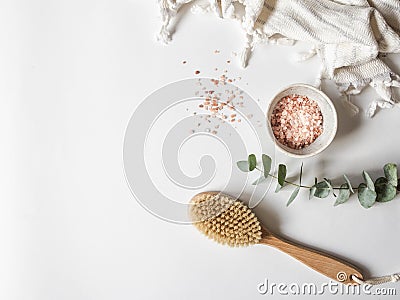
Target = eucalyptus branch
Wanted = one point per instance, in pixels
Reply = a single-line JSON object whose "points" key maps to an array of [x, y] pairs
{"points": [[288, 182], [384, 189]]}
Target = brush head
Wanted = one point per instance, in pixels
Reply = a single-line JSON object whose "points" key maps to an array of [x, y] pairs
{"points": [[224, 219]]}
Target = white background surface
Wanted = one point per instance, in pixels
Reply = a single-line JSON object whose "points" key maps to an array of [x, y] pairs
{"points": [[71, 75]]}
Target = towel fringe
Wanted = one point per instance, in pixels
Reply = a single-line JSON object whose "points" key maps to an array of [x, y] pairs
{"points": [[352, 108], [348, 84], [304, 56]]}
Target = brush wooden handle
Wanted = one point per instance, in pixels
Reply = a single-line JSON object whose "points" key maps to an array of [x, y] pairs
{"points": [[326, 264]]}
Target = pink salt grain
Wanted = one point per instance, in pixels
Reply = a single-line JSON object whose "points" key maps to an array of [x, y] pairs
{"points": [[296, 121], [221, 105]]}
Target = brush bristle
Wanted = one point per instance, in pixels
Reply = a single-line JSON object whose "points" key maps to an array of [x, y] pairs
{"points": [[225, 220]]}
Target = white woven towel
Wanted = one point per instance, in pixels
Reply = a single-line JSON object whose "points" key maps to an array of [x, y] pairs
{"points": [[348, 36]]}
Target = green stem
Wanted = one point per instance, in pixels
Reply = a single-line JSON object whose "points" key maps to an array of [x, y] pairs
{"points": [[288, 182], [303, 186]]}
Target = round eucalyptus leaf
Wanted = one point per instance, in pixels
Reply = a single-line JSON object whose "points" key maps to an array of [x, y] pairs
{"points": [[329, 183], [391, 173], [259, 180], [267, 163], [278, 188], [282, 174], [368, 181], [293, 196], [344, 194], [252, 162], [312, 191], [243, 165], [366, 196], [386, 192], [322, 190], [349, 183]]}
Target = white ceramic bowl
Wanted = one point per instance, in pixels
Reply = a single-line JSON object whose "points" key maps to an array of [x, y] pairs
{"points": [[328, 113]]}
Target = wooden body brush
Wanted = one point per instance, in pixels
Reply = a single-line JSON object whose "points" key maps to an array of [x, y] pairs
{"points": [[228, 221]]}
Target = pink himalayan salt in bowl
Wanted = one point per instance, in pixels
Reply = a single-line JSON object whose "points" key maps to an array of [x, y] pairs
{"points": [[329, 120]]}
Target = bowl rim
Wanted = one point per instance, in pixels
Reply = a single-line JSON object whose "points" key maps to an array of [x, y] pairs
{"points": [[334, 119]]}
